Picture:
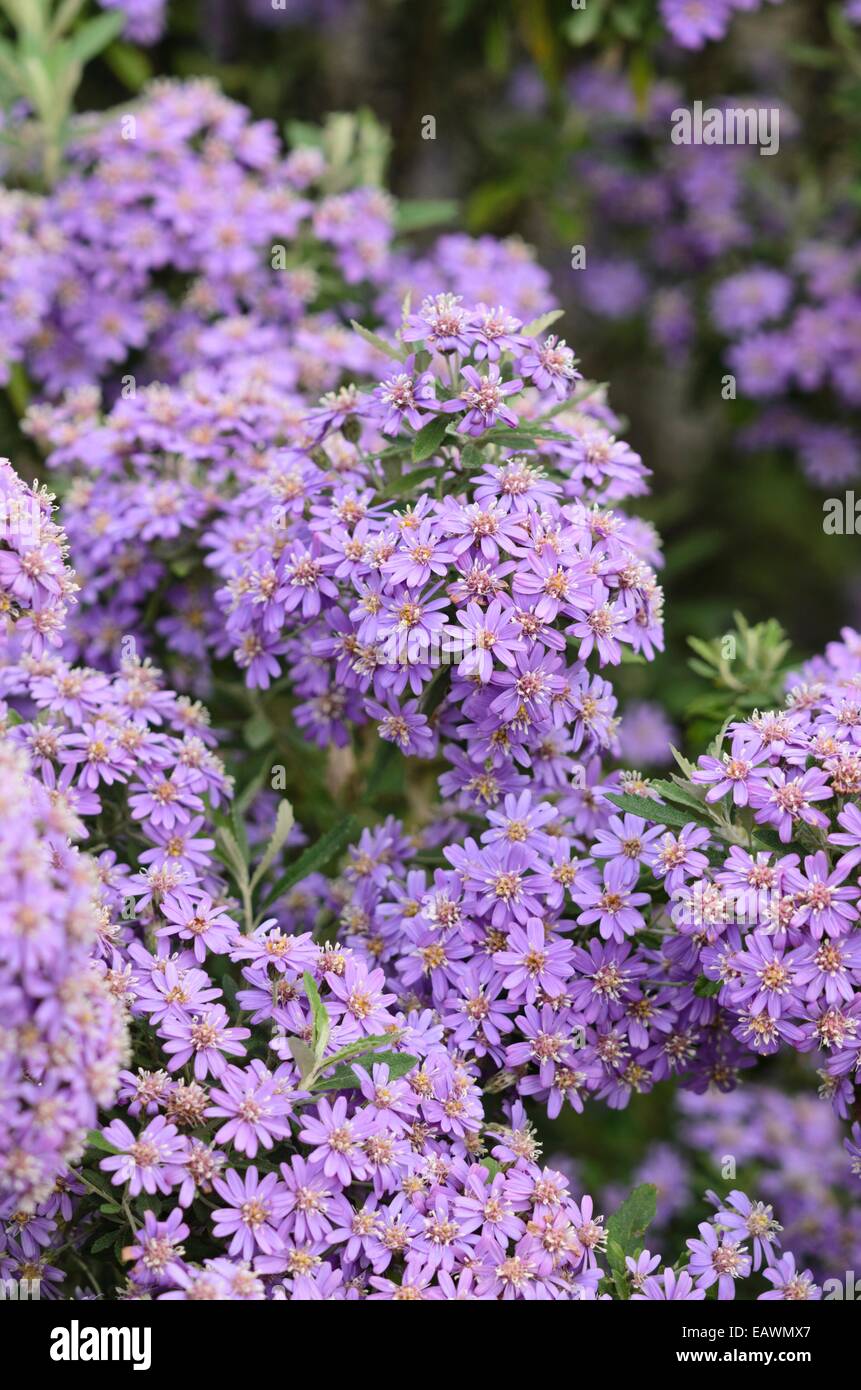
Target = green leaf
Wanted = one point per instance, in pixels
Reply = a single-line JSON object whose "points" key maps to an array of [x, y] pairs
{"points": [[406, 483], [320, 1016], [416, 215], [344, 1078], [252, 787], [302, 133], [583, 26], [284, 822], [94, 35], [397, 354], [429, 438], [688, 768], [671, 791], [96, 1141], [626, 1228], [103, 1242], [130, 64], [361, 1048], [630, 1222], [316, 857], [542, 323], [647, 808], [706, 988], [231, 854], [302, 1056], [257, 731]]}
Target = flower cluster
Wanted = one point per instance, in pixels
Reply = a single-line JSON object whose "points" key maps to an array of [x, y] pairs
{"points": [[766, 1131], [769, 927], [64, 1035], [469, 615], [78, 747], [702, 242], [177, 214]]}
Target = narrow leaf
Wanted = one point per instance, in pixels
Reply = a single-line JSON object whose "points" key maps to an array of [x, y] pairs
{"points": [[316, 857], [319, 1014], [302, 1056], [284, 822], [344, 1078], [397, 354], [542, 323]]}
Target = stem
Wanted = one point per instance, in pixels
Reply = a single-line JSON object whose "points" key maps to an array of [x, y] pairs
{"points": [[64, 18]]}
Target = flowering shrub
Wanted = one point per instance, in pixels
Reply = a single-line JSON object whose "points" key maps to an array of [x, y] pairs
{"points": [[359, 498], [336, 1113]]}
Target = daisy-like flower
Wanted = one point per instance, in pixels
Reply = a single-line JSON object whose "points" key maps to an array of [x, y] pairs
{"points": [[254, 1106], [551, 366], [209, 928], [337, 1140], [640, 1268], [152, 1162], [311, 1201], [674, 857], [158, 1248], [483, 398], [669, 1286], [784, 800], [826, 904], [748, 1220], [484, 636], [442, 322], [734, 772], [360, 998], [612, 904], [626, 838], [717, 1260], [253, 1212], [206, 1037], [406, 396], [768, 976], [534, 962], [790, 1284]]}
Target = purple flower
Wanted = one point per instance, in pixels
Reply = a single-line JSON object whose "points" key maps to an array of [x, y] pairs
{"points": [[717, 1260], [485, 636], [206, 1037], [151, 1163], [255, 1108], [255, 1207], [669, 1285], [612, 904], [337, 1140], [732, 773], [483, 397], [406, 396], [790, 1284], [533, 962]]}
